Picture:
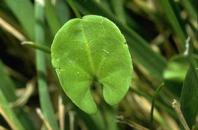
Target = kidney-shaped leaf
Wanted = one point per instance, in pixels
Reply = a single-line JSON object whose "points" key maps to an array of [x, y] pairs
{"points": [[87, 49]]}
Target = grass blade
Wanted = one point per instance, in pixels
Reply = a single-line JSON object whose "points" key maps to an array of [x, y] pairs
{"points": [[71, 4], [8, 114], [46, 105], [189, 95], [9, 90], [190, 9], [118, 9], [61, 7], [23, 10], [51, 16], [174, 21]]}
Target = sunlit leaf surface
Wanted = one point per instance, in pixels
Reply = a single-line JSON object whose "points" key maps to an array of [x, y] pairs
{"points": [[89, 50]]}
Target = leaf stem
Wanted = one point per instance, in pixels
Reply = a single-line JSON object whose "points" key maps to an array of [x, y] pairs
{"points": [[36, 46], [110, 116]]}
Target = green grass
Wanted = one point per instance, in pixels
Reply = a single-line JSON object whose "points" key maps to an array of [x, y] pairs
{"points": [[156, 33]]}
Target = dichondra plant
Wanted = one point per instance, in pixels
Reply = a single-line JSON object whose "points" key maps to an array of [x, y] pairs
{"points": [[91, 49]]}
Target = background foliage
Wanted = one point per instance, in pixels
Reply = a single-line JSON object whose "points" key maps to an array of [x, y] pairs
{"points": [[162, 38]]}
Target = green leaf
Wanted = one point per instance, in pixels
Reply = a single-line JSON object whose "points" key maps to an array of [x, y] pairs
{"points": [[189, 96], [88, 50], [140, 49]]}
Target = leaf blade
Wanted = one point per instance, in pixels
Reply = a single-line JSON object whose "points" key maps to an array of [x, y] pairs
{"points": [[88, 50], [23, 10], [189, 95], [44, 97], [8, 114], [139, 48]]}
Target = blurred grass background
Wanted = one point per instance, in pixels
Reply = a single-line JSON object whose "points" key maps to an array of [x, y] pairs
{"points": [[156, 32]]}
